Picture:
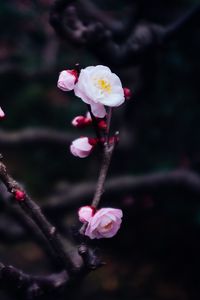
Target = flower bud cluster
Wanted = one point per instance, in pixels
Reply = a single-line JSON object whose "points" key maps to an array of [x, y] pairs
{"points": [[98, 87]]}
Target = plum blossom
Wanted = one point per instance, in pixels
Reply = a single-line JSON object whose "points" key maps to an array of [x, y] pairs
{"points": [[104, 224], [82, 147], [2, 114], [85, 213], [67, 80], [98, 86]]}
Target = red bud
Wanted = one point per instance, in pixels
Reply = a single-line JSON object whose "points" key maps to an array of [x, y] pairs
{"points": [[102, 125], [92, 141], [19, 195], [127, 93]]}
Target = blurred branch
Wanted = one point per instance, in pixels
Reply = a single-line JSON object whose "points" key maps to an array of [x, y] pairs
{"points": [[144, 37], [33, 136], [118, 27], [179, 25], [182, 180]]}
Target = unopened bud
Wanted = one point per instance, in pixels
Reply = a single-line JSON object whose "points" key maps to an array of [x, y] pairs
{"points": [[81, 121], [85, 213], [67, 80], [127, 93], [102, 125], [19, 195]]}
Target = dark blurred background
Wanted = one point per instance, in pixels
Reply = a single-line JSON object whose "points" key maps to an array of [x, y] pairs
{"points": [[156, 253]]}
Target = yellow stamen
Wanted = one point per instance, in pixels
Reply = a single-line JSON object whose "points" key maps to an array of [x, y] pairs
{"points": [[104, 85]]}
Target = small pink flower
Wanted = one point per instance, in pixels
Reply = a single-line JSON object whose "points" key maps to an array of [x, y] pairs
{"points": [[81, 147], [104, 224], [81, 121], [85, 213], [67, 80], [2, 114]]}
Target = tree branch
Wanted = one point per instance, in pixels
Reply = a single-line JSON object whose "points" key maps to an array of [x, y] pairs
{"points": [[29, 286], [34, 212], [181, 23], [33, 136], [143, 39], [181, 180]]}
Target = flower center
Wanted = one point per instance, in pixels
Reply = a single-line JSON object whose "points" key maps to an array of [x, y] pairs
{"points": [[104, 85], [107, 227]]}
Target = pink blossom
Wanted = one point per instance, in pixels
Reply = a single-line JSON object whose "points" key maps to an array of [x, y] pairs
{"points": [[2, 114], [104, 224], [81, 147], [98, 86], [67, 80], [85, 213]]}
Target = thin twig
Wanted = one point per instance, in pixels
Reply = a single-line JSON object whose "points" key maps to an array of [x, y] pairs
{"points": [[109, 117], [107, 154]]}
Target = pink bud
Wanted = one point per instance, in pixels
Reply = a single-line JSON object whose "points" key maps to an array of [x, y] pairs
{"points": [[81, 121], [85, 213], [67, 80], [127, 93], [19, 195], [81, 147], [2, 114], [78, 121], [104, 224]]}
